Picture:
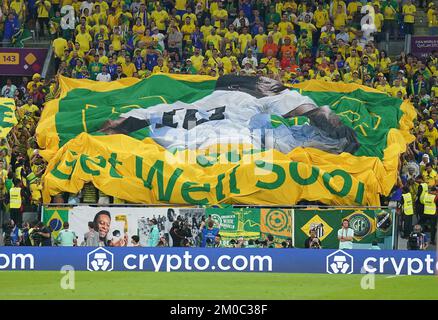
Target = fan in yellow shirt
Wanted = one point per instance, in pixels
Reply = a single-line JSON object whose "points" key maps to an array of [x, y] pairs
{"points": [[214, 38], [244, 39], [219, 15], [340, 18], [260, 39], [160, 67], [197, 59], [320, 17], [284, 24], [84, 39], [409, 11], [188, 28], [160, 17]]}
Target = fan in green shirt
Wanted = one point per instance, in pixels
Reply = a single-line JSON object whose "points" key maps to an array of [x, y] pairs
{"points": [[95, 67]]}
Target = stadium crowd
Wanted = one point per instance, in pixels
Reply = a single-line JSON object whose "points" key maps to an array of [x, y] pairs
{"points": [[288, 40]]}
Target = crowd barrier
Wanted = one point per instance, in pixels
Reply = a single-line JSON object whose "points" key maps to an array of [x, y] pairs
{"points": [[220, 260], [283, 223]]}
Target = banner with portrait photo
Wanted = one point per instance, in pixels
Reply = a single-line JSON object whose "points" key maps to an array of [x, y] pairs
{"points": [[117, 228]]}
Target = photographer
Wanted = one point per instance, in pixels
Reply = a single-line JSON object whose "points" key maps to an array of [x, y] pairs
{"points": [[270, 241], [176, 234], [208, 232], [417, 239], [41, 235], [312, 242], [11, 234], [287, 244]]}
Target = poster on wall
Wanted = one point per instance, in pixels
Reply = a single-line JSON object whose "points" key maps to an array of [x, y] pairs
{"points": [[368, 225], [253, 224], [116, 225], [22, 61]]}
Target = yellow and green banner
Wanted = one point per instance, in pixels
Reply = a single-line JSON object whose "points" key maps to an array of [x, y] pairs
{"points": [[253, 223], [8, 118], [200, 140], [368, 225]]}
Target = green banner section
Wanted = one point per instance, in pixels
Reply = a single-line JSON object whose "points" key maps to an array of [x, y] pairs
{"points": [[368, 225], [253, 223]]}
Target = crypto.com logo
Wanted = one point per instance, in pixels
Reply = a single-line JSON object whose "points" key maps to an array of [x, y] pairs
{"points": [[339, 262], [100, 259]]}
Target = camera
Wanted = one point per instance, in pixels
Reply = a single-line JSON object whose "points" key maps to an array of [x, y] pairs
{"points": [[261, 242], [36, 237], [413, 243]]}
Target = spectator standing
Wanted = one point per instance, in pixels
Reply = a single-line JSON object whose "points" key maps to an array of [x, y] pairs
{"points": [[66, 237], [91, 238], [8, 90], [154, 234], [16, 202], [345, 235], [209, 232], [312, 242]]}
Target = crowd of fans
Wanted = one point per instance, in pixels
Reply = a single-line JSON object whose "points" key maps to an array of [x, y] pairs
{"points": [[290, 41]]}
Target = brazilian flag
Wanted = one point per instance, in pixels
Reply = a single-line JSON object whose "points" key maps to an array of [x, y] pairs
{"points": [[21, 36], [55, 218]]}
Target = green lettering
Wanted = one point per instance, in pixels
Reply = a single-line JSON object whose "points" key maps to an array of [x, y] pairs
{"points": [[295, 174], [278, 170], [157, 168], [61, 175], [220, 188], [233, 156], [326, 177], [204, 162], [360, 192], [113, 161], [233, 181], [84, 159], [189, 187]]}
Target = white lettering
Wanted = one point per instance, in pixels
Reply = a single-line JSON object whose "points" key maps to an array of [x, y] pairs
{"points": [[382, 264], [411, 261], [157, 264], [170, 266], [7, 261], [219, 262], [366, 266], [244, 265], [197, 260], [126, 264], [260, 260], [400, 265], [22, 258], [68, 281], [187, 256]]}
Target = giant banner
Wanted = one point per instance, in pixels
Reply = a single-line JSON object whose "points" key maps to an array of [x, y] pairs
{"points": [[368, 225], [22, 61], [124, 222], [199, 140]]}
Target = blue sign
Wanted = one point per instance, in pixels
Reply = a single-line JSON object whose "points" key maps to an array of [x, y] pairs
{"points": [[219, 260]]}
